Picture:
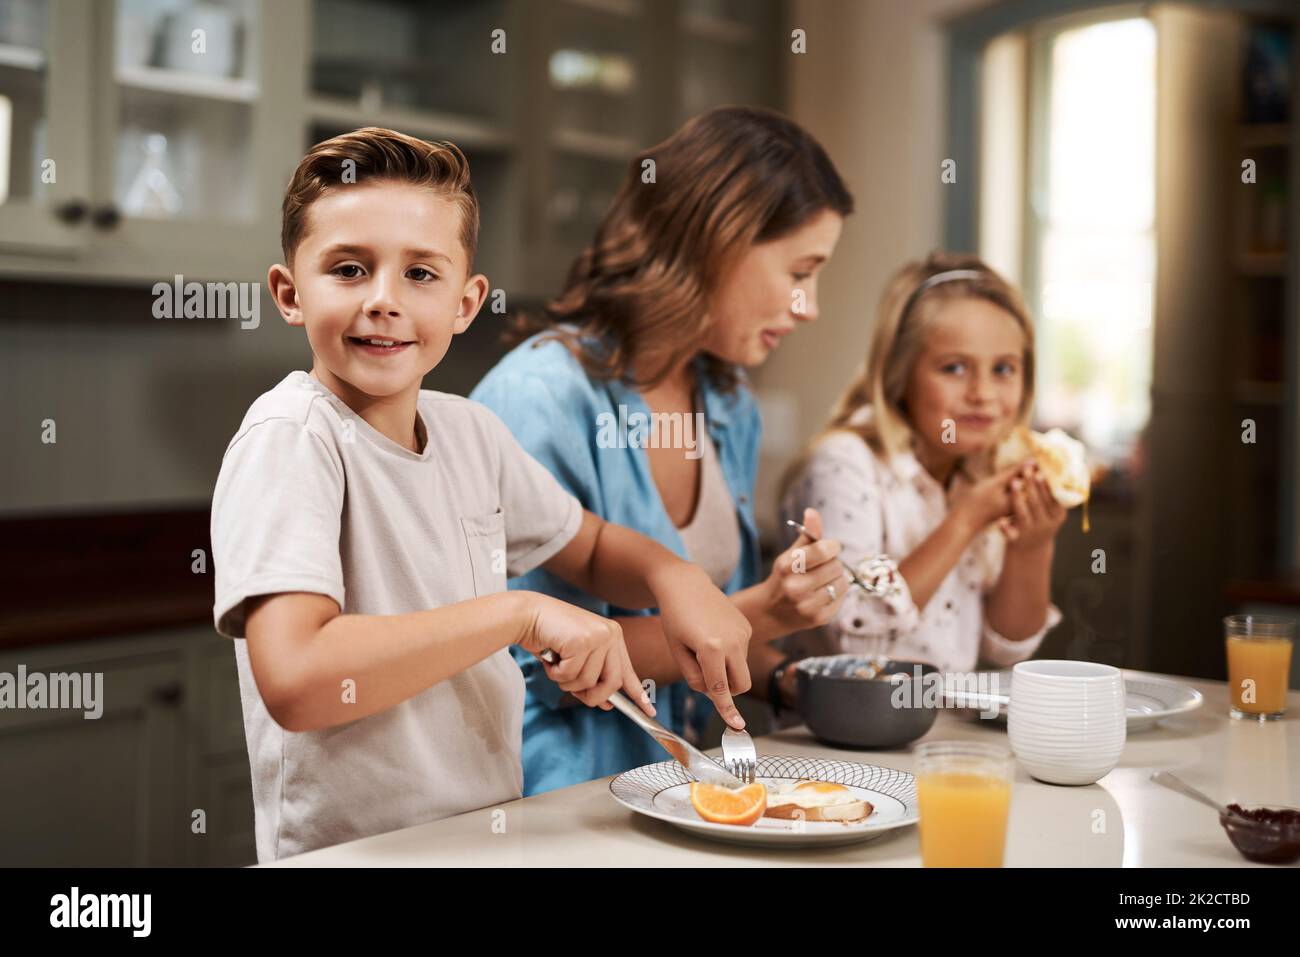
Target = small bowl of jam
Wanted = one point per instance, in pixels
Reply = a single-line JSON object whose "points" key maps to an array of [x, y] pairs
{"points": [[1269, 835]]}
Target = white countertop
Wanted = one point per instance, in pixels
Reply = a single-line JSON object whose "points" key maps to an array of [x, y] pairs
{"points": [[1122, 820]]}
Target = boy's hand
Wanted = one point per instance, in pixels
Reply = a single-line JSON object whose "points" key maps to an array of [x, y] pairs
{"points": [[707, 635], [593, 658], [1036, 517], [798, 595]]}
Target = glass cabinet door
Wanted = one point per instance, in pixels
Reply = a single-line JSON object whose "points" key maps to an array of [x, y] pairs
{"points": [[44, 146], [186, 84], [596, 72], [24, 60], [437, 69], [598, 103], [429, 59], [727, 53]]}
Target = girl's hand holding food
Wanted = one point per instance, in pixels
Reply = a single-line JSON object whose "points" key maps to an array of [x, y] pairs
{"points": [[1036, 514], [990, 499]]}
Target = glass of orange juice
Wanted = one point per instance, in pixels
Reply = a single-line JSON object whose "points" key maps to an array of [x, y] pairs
{"points": [[963, 789], [1259, 665]]}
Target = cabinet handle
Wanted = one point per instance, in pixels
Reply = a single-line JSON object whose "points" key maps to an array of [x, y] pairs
{"points": [[170, 694], [106, 217], [72, 212]]}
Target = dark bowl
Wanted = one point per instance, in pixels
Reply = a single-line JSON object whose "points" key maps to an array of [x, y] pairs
{"points": [[1269, 835], [853, 712]]}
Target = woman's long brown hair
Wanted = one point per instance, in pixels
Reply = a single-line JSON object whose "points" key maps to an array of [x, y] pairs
{"points": [[727, 179]]}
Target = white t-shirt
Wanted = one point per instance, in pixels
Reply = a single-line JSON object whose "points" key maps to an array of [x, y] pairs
{"points": [[312, 498]]}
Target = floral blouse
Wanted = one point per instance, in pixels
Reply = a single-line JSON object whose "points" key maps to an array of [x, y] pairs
{"points": [[875, 506]]}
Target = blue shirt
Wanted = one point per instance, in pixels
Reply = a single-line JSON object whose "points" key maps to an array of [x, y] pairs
{"points": [[554, 408]]}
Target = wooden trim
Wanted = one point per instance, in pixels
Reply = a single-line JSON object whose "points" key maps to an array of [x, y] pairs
{"points": [[1277, 592], [83, 575]]}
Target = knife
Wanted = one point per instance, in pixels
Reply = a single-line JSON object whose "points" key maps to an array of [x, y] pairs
{"points": [[697, 764]]}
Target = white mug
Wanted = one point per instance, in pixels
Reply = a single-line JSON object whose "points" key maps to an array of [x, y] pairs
{"points": [[1067, 720], [220, 36]]}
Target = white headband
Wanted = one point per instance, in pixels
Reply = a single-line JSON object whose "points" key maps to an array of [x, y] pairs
{"points": [[950, 276]]}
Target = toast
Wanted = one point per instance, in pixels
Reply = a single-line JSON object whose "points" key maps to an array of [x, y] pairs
{"points": [[853, 811]]}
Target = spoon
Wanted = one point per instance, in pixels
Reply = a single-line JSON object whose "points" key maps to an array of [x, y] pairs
{"points": [[1175, 783]]}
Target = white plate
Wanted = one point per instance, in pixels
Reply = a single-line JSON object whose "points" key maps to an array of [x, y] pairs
{"points": [[663, 791], [1148, 698]]}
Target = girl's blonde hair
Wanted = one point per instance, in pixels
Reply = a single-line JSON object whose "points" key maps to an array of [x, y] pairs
{"points": [[903, 318]]}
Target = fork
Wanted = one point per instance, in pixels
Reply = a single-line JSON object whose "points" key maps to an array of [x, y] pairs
{"points": [[739, 755]]}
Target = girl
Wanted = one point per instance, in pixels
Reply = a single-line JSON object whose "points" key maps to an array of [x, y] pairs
{"points": [[689, 280], [903, 468]]}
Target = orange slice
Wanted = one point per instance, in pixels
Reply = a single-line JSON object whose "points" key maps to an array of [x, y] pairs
{"points": [[722, 805]]}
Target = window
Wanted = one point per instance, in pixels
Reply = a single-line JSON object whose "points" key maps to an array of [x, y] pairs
{"points": [[1092, 231], [1089, 216]]}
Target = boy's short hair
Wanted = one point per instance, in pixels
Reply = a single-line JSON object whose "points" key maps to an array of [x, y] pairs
{"points": [[377, 154]]}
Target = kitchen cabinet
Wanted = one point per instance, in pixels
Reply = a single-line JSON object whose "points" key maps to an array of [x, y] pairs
{"points": [[122, 789], [612, 77], [45, 115], [1264, 360], [221, 782], [163, 125], [171, 162], [1220, 466]]}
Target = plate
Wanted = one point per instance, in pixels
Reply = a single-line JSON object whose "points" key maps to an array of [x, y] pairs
{"points": [[1148, 698], [663, 791]]}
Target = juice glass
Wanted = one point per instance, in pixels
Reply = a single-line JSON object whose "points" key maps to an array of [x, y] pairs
{"points": [[1259, 665], [963, 789]]}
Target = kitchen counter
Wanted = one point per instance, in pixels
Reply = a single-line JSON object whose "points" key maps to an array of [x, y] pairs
{"points": [[1122, 820]]}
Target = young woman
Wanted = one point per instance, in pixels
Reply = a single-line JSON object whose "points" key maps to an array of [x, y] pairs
{"points": [[689, 280]]}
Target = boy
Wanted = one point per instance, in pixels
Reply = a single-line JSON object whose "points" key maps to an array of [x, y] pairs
{"points": [[363, 529]]}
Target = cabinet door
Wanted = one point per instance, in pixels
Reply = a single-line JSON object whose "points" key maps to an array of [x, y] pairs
{"points": [[593, 106], [45, 63], [216, 681], [227, 796], [223, 784], [197, 131], [175, 127], [97, 792]]}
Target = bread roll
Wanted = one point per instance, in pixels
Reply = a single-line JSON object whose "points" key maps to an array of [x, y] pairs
{"points": [[1062, 459]]}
